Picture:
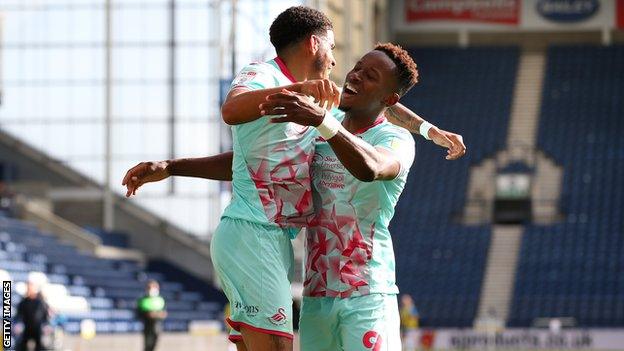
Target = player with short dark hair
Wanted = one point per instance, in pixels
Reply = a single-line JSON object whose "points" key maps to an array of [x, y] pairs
{"points": [[269, 168], [295, 24]]}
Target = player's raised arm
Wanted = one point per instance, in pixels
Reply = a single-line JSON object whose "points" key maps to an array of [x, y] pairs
{"points": [[366, 162], [241, 104], [361, 159], [403, 117], [218, 167]]}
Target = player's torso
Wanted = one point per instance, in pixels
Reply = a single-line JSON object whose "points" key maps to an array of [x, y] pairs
{"points": [[349, 249], [271, 169]]}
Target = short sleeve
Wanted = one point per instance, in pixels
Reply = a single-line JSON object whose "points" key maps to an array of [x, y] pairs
{"points": [[400, 142], [254, 76]]}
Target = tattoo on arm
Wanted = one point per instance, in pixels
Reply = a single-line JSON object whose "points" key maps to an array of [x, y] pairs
{"points": [[405, 119]]}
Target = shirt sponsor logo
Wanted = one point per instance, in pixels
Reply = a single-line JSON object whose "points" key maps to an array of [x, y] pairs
{"points": [[330, 171], [332, 180]]}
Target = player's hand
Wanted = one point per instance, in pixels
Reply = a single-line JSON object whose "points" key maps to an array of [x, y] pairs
{"points": [[454, 143], [292, 107], [325, 92], [144, 172]]}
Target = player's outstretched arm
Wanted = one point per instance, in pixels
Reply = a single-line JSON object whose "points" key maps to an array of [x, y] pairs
{"points": [[218, 167], [403, 117], [366, 162], [241, 104], [361, 159]]}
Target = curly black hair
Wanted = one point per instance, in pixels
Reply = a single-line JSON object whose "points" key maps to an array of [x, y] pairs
{"points": [[297, 23], [407, 70]]}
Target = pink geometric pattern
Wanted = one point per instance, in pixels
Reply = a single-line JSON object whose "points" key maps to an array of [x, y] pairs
{"points": [[338, 256], [338, 248], [348, 245], [283, 184]]}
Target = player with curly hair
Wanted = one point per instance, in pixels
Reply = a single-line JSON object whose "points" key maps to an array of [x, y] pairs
{"points": [[360, 168]]}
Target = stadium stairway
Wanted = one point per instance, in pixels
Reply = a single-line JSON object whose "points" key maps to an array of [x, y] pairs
{"points": [[440, 262], [500, 271], [497, 289], [573, 268], [526, 101], [521, 139]]}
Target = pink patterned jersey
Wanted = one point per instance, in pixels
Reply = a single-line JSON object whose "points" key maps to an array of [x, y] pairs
{"points": [[271, 166], [349, 250]]}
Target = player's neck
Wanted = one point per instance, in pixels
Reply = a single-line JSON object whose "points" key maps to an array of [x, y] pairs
{"points": [[297, 64], [356, 122]]}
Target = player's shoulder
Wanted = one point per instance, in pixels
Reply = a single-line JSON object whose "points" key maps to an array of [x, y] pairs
{"points": [[388, 128], [256, 75], [260, 67]]}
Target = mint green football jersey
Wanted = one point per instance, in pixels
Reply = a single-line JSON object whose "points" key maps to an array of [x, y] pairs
{"points": [[271, 166], [348, 247]]}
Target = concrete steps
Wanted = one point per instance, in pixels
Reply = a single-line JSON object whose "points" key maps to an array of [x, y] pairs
{"points": [[497, 288]]}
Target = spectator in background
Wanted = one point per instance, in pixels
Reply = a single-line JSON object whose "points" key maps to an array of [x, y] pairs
{"points": [[409, 322], [151, 311], [34, 313], [7, 200]]}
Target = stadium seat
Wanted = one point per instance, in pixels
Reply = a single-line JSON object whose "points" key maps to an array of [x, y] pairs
{"points": [[81, 286], [573, 268], [441, 263]]}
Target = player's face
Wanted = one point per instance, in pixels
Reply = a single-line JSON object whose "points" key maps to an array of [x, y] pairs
{"points": [[324, 58], [370, 83]]}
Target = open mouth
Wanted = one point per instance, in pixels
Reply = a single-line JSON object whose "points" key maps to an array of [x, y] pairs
{"points": [[349, 89]]}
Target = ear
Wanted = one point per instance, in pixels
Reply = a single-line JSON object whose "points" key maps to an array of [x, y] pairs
{"points": [[391, 99], [312, 44]]}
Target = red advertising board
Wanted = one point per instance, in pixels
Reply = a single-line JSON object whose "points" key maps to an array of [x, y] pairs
{"points": [[620, 13], [481, 11]]}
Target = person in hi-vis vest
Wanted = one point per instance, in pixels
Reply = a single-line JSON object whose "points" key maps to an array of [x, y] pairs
{"points": [[151, 311]]}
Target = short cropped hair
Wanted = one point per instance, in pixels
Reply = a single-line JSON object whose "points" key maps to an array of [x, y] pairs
{"points": [[295, 24], [407, 70]]}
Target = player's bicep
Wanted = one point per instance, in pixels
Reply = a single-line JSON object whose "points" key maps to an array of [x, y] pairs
{"points": [[391, 165], [234, 92], [400, 147]]}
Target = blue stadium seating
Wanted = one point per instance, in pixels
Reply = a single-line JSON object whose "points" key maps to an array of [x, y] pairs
{"points": [[441, 265], [573, 269], [110, 238], [110, 287]]}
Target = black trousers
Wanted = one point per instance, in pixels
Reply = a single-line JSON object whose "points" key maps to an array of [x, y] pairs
{"points": [[150, 337], [28, 335]]}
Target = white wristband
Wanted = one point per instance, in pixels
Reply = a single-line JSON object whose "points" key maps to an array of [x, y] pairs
{"points": [[424, 129], [329, 127]]}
